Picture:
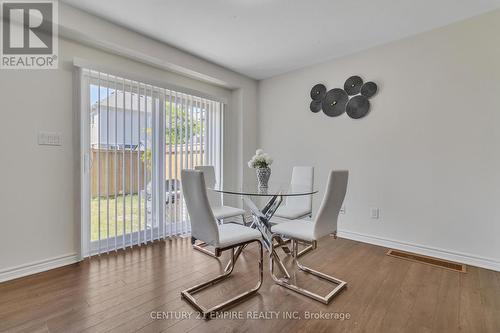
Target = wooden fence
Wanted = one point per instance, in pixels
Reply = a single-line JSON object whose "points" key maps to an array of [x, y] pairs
{"points": [[131, 159]]}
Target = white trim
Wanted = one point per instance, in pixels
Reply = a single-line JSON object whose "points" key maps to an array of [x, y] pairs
{"points": [[83, 118], [38, 266], [460, 257], [82, 63]]}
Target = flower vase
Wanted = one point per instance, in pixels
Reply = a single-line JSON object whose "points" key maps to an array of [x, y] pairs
{"points": [[263, 175]]}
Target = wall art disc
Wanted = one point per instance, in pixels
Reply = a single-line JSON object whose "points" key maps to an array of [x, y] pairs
{"points": [[358, 107], [334, 102], [315, 106], [352, 85], [318, 92], [369, 89]]}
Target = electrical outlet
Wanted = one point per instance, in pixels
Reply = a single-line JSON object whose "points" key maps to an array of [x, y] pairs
{"points": [[375, 213], [342, 210], [49, 139]]}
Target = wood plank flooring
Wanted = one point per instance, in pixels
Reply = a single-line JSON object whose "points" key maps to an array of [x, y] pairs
{"points": [[121, 292]]}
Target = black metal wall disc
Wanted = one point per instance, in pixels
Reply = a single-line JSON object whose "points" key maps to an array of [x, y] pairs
{"points": [[315, 106], [358, 107], [369, 89], [318, 92], [352, 85], [334, 102]]}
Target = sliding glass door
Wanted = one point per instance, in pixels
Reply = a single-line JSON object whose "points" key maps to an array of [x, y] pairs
{"points": [[136, 139]]}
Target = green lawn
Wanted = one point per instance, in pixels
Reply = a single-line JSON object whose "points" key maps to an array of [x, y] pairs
{"points": [[131, 218]]}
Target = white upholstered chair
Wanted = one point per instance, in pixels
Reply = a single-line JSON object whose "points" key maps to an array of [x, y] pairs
{"points": [[224, 237], [220, 212], [300, 206], [324, 224]]}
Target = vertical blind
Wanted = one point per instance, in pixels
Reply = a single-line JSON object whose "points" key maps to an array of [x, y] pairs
{"points": [[138, 138]]}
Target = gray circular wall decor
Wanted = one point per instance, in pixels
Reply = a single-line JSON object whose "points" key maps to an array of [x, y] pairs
{"points": [[353, 99], [358, 107], [334, 103], [369, 89], [315, 106], [318, 92], [352, 85]]}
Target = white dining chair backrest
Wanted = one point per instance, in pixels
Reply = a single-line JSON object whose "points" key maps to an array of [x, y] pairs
{"points": [[203, 223], [209, 173], [328, 213], [302, 179]]}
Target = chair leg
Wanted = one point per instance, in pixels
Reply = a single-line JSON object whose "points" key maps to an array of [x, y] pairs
{"points": [[207, 313], [236, 256], [201, 247], [286, 282], [308, 248]]}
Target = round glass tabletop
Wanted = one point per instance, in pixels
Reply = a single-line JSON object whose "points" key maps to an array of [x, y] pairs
{"points": [[283, 189]]}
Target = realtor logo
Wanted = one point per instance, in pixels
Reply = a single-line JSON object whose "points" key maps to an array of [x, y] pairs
{"points": [[29, 34]]}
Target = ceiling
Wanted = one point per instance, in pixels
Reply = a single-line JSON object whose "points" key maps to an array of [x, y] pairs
{"points": [[263, 38]]}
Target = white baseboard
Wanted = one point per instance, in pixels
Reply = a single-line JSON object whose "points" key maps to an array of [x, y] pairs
{"points": [[37, 267], [488, 263], [463, 258]]}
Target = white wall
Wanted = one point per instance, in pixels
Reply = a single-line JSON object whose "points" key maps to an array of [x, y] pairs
{"points": [[241, 129], [428, 154], [39, 196]]}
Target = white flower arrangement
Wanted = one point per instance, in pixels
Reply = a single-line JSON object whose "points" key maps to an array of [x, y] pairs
{"points": [[260, 160]]}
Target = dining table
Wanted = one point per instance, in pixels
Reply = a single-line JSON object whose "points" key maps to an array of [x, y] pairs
{"points": [[263, 203]]}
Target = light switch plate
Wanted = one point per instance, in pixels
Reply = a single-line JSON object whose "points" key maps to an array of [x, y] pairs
{"points": [[375, 213], [49, 139]]}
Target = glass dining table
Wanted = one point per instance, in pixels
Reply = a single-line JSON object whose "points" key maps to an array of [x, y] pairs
{"points": [[273, 196]]}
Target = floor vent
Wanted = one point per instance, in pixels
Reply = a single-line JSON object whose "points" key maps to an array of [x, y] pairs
{"points": [[428, 260]]}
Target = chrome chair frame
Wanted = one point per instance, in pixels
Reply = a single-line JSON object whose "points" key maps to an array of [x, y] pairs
{"points": [[201, 247], [285, 281], [207, 313]]}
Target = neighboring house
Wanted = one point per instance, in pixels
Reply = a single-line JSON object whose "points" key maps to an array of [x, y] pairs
{"points": [[113, 113]]}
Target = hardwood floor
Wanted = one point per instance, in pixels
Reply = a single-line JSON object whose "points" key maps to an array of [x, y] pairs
{"points": [[120, 292]]}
